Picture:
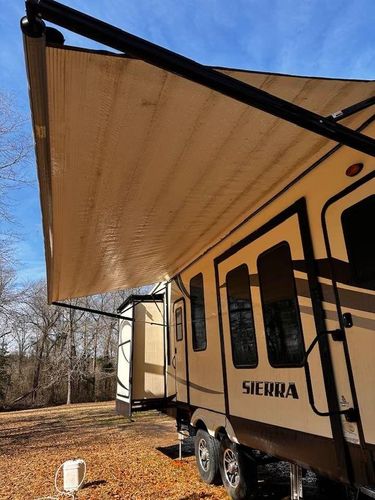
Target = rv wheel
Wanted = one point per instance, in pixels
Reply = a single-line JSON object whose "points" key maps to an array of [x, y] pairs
{"points": [[238, 472], [207, 456]]}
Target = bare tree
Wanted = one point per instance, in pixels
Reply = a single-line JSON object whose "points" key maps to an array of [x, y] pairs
{"points": [[20, 337], [59, 355], [15, 148], [72, 320], [7, 291], [44, 319]]}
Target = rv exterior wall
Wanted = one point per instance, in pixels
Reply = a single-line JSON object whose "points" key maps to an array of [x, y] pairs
{"points": [[268, 406]]}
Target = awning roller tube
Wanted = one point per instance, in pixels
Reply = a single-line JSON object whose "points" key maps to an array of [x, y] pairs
{"points": [[132, 45]]}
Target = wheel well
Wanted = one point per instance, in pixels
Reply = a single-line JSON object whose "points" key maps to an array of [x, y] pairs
{"points": [[221, 433], [200, 425]]}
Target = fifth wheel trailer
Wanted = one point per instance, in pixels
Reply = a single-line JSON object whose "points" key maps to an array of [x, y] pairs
{"points": [[249, 197], [244, 364]]}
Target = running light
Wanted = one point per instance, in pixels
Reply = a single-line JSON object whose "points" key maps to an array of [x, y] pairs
{"points": [[354, 169]]}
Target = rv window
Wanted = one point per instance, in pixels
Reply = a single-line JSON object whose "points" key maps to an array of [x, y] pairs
{"points": [[360, 241], [178, 322], [242, 331], [280, 307], [198, 322]]}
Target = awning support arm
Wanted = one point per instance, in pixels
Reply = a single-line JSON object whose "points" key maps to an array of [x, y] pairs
{"points": [[351, 110], [93, 311], [132, 45], [103, 313]]}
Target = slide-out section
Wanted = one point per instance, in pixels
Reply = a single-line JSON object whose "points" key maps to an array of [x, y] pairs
{"points": [[141, 381]]}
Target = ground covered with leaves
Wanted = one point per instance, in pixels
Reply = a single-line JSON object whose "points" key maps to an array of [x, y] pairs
{"points": [[125, 459]]}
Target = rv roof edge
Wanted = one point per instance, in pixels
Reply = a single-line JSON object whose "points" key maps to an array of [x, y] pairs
{"points": [[118, 39]]}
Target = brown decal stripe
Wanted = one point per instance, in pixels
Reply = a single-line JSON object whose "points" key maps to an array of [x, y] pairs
{"points": [[123, 351], [198, 387], [152, 368], [366, 323], [362, 301], [122, 395], [122, 385], [342, 269], [254, 280]]}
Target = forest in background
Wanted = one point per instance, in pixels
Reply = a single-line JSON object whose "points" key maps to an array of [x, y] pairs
{"points": [[53, 355], [48, 355]]}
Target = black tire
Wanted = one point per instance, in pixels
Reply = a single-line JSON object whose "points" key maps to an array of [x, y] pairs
{"points": [[331, 489], [207, 457], [238, 471]]}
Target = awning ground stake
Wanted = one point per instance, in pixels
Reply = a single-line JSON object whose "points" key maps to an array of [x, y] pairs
{"points": [[296, 490]]}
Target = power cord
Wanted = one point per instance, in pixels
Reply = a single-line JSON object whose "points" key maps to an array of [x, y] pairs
{"points": [[64, 493]]}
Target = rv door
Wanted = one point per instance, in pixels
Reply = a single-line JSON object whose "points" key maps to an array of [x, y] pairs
{"points": [[180, 352]]}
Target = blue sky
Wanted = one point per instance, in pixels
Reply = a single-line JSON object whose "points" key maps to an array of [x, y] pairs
{"points": [[334, 38]]}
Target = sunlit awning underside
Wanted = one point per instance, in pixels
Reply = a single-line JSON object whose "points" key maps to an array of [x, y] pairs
{"points": [[141, 170]]}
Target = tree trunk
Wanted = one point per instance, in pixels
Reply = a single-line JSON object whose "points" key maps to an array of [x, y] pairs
{"points": [[70, 360], [38, 367], [69, 391], [94, 382]]}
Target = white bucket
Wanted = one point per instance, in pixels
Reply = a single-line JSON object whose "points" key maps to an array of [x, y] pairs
{"points": [[73, 474]]}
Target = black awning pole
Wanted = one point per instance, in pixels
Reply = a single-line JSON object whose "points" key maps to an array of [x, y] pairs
{"points": [[132, 45], [103, 313], [93, 311], [350, 110]]}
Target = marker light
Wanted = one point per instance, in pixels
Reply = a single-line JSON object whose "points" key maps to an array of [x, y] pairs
{"points": [[354, 169]]}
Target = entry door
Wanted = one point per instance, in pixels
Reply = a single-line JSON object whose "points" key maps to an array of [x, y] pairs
{"points": [[350, 236], [267, 321], [179, 359]]}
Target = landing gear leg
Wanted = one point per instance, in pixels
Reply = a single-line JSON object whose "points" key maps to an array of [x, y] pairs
{"points": [[181, 435], [296, 490]]}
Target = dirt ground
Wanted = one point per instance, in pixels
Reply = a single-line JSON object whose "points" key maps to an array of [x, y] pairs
{"points": [[125, 459]]}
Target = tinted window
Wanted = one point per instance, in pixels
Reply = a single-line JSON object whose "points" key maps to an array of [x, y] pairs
{"points": [[242, 332], [178, 322], [198, 322], [358, 224], [280, 307]]}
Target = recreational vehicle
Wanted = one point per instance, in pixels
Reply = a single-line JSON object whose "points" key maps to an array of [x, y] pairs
{"points": [[249, 198]]}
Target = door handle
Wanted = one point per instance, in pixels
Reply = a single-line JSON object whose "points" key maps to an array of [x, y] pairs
{"points": [[174, 361]]}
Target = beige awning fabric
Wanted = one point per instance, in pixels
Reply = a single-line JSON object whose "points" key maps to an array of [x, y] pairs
{"points": [[141, 170]]}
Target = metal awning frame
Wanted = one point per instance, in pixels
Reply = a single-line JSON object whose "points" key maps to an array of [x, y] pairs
{"points": [[39, 11], [103, 313]]}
